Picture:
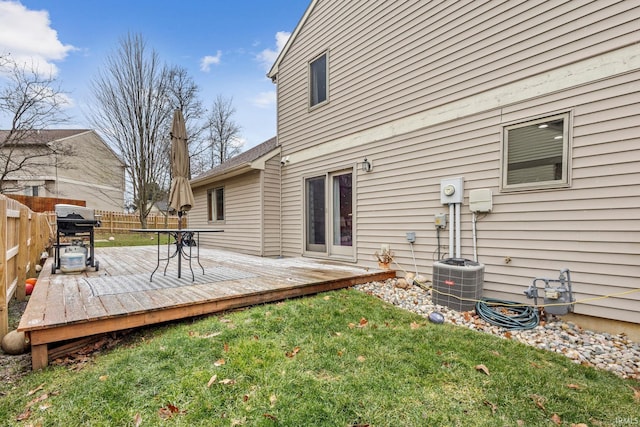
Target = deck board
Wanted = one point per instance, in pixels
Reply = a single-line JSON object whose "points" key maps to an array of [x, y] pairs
{"points": [[120, 296]]}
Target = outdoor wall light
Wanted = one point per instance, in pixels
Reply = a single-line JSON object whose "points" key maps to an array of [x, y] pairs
{"points": [[367, 165]]}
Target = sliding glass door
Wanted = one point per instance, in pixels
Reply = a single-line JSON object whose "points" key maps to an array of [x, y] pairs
{"points": [[329, 214]]}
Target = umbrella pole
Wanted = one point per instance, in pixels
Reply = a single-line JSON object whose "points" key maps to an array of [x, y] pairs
{"points": [[179, 243]]}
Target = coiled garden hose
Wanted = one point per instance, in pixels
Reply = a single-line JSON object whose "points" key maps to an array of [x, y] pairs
{"points": [[507, 314]]}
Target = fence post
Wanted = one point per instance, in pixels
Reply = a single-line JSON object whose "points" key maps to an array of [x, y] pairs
{"points": [[23, 252], [4, 303]]}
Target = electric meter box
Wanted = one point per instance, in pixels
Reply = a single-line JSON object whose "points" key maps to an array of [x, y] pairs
{"points": [[457, 283], [451, 190]]}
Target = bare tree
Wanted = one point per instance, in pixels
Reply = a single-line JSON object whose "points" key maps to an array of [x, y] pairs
{"points": [[134, 111], [184, 96], [31, 101], [222, 132]]}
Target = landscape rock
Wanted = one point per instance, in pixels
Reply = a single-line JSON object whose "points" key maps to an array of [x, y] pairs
{"points": [[15, 343], [615, 353]]}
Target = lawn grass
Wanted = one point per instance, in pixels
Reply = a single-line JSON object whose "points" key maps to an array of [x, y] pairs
{"points": [[127, 239], [336, 359]]}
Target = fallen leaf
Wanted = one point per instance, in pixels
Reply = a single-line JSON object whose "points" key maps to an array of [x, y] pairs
{"points": [[226, 347], [574, 386], [507, 335], [103, 377], [556, 419], [363, 322], [351, 325], [169, 411], [227, 381], [212, 380], [467, 316], [520, 423], [535, 365], [414, 325], [35, 390], [137, 420], [271, 417], [493, 406], [539, 401], [194, 334], [245, 397], [495, 353], [327, 298], [636, 393], [361, 358], [225, 320], [579, 425], [340, 353], [272, 400], [44, 407], [24, 415], [291, 354], [338, 334], [219, 362], [482, 368]]}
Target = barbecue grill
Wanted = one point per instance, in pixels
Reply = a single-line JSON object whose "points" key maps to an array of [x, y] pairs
{"points": [[78, 223]]}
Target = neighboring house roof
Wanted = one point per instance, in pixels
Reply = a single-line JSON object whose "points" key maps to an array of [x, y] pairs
{"points": [[251, 159], [45, 135], [273, 72]]}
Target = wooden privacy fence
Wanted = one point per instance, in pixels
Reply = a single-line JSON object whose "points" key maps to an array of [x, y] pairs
{"points": [[24, 234], [114, 222], [119, 222]]}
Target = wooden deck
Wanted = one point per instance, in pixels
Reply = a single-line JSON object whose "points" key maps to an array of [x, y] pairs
{"points": [[121, 296]]}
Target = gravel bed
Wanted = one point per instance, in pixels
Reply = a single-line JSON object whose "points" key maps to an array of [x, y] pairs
{"points": [[615, 353]]}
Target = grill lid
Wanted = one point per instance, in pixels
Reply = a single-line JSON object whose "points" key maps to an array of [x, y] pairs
{"points": [[74, 213]]}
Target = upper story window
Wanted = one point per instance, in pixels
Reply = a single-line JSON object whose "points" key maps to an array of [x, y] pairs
{"points": [[536, 153], [318, 80], [215, 204]]}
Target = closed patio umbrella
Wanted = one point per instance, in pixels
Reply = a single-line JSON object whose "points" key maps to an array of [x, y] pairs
{"points": [[180, 194]]}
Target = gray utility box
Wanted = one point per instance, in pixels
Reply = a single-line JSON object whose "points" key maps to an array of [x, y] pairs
{"points": [[457, 283]]}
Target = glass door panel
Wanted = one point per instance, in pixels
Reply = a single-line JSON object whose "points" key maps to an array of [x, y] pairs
{"points": [[315, 217], [342, 214]]}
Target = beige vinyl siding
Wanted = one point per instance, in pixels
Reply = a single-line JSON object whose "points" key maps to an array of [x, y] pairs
{"points": [[591, 227], [271, 208], [415, 59], [243, 212]]}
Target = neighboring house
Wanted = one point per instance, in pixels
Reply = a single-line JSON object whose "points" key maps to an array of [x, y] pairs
{"points": [[67, 163], [538, 102], [242, 197]]}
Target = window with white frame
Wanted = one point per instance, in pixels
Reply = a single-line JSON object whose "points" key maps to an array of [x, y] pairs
{"points": [[318, 87], [536, 153], [215, 204]]}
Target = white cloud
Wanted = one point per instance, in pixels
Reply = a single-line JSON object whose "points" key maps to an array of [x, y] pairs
{"points": [[268, 56], [27, 35], [207, 61], [265, 99]]}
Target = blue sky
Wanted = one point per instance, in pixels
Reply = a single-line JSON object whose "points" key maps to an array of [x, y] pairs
{"points": [[227, 46]]}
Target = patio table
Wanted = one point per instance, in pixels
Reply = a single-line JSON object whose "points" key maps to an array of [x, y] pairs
{"points": [[181, 242]]}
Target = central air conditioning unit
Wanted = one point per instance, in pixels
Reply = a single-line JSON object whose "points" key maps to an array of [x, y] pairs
{"points": [[457, 283]]}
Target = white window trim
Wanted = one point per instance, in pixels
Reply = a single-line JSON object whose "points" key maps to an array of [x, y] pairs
{"points": [[211, 205], [326, 101], [565, 181]]}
